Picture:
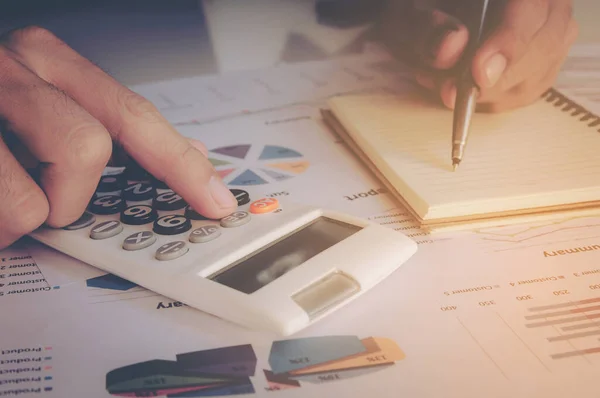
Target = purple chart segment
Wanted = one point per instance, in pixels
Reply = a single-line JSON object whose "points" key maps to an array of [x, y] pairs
{"points": [[235, 151]]}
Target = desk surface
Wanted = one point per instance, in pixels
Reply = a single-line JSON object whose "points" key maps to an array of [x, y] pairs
{"points": [[152, 40], [460, 339]]}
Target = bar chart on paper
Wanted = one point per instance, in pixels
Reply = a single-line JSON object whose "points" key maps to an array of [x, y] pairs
{"points": [[549, 324], [575, 322]]}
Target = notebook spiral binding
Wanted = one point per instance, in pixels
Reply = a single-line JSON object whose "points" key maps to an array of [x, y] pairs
{"points": [[565, 104]]}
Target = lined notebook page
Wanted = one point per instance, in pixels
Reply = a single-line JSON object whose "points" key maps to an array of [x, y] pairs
{"points": [[535, 156]]}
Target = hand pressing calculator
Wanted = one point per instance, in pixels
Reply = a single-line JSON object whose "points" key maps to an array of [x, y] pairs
{"points": [[269, 265]]}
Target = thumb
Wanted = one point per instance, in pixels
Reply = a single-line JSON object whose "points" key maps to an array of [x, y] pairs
{"points": [[423, 37]]}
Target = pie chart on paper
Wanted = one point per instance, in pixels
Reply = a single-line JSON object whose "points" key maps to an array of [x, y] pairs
{"points": [[252, 164]]}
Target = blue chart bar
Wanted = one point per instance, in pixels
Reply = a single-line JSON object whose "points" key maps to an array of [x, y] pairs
{"points": [[248, 177], [289, 355], [110, 282], [277, 152]]}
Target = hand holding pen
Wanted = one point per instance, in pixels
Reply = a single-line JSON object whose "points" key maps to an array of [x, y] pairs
{"points": [[521, 51]]}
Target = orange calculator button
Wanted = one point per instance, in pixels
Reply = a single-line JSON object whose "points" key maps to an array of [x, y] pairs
{"points": [[264, 205]]}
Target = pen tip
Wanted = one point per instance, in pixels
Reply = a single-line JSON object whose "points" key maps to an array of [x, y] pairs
{"points": [[455, 163]]}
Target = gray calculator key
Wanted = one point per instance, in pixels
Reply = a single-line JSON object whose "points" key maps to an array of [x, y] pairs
{"points": [[85, 220], [171, 250], [139, 240], [205, 233], [235, 219], [106, 229]]}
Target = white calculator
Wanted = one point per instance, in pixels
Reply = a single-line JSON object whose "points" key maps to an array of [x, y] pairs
{"points": [[270, 265]]}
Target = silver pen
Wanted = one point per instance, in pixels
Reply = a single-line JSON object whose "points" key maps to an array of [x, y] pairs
{"points": [[466, 96]]}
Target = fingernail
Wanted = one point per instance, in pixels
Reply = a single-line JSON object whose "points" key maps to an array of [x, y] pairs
{"points": [[494, 69], [220, 193], [425, 81], [448, 94], [434, 43], [451, 97]]}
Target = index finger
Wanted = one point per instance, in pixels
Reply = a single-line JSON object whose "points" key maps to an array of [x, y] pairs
{"points": [[132, 121]]}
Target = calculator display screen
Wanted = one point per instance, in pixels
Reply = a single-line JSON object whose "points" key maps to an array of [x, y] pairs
{"points": [[263, 267]]}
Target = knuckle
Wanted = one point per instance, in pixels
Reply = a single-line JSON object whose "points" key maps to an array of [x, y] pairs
{"points": [[517, 31], [90, 147], [569, 9], [139, 107], [528, 93], [180, 159], [515, 43], [30, 36], [28, 212], [9, 67], [572, 31], [539, 8]]}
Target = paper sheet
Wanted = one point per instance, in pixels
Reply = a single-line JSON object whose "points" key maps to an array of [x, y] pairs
{"points": [[580, 76], [212, 98], [502, 312]]}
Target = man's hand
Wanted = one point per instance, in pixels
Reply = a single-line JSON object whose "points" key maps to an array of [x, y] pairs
{"points": [[64, 113], [518, 58]]}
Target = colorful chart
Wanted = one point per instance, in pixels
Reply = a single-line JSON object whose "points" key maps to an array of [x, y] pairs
{"points": [[326, 359], [207, 373], [575, 321], [228, 370], [246, 165]]}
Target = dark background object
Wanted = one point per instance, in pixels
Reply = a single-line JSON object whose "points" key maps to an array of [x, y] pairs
{"points": [[347, 13]]}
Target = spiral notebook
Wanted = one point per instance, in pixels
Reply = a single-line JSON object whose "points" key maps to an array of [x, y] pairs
{"points": [[539, 161]]}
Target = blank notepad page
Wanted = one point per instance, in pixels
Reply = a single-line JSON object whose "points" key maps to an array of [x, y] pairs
{"points": [[536, 156]]}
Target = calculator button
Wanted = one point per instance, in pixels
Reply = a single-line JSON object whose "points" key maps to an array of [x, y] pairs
{"points": [[138, 215], [85, 220], [205, 234], [235, 219], [241, 196], [139, 240], [171, 251], [106, 229], [193, 214], [158, 184], [109, 204], [138, 192], [134, 172], [169, 200], [172, 225], [264, 205], [110, 183]]}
